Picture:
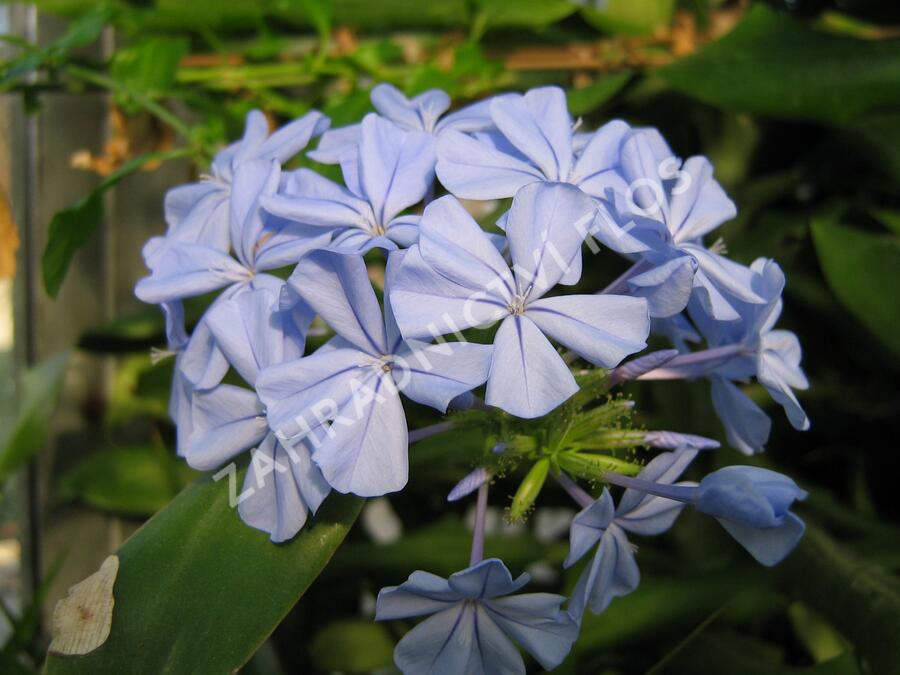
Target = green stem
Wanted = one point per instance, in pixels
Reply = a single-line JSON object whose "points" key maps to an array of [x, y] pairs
{"points": [[108, 83]]}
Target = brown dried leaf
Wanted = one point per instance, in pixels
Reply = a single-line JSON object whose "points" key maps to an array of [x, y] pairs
{"points": [[82, 620]]}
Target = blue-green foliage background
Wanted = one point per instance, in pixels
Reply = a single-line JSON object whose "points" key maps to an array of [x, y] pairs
{"points": [[797, 105]]}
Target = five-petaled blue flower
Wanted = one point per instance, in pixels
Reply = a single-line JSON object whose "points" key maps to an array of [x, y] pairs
{"points": [[475, 621], [455, 278], [352, 383], [282, 485], [424, 112], [613, 571], [391, 170]]}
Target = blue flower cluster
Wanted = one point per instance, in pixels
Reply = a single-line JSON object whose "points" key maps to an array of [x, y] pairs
{"points": [[283, 251]]}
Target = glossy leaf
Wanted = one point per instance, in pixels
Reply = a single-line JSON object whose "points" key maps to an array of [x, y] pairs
{"points": [[198, 591], [774, 65], [863, 270]]}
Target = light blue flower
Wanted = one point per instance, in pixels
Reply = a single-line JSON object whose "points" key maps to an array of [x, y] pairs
{"points": [[258, 243], [533, 141], [661, 218], [198, 213], [392, 170], [349, 388], [282, 485], [475, 622], [455, 278], [751, 503], [424, 112], [613, 571]]}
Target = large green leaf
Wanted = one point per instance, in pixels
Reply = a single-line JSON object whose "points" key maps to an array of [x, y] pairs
{"points": [[859, 598], [28, 433], [198, 591], [775, 65], [863, 270]]}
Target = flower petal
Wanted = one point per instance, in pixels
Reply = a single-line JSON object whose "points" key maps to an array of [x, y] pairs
{"points": [[528, 377], [545, 229], [588, 527], [452, 243], [746, 425], [337, 287], [302, 395], [602, 329], [422, 593], [488, 579], [612, 573], [284, 487], [474, 170], [435, 374], [538, 125], [535, 621], [396, 168], [365, 452], [225, 421], [426, 304]]}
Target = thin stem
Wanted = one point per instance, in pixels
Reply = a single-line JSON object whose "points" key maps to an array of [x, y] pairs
{"points": [[478, 533], [679, 493], [695, 364], [581, 496], [104, 82], [618, 284], [432, 430]]}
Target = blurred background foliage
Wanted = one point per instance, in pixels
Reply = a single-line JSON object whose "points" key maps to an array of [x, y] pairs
{"points": [[797, 103]]}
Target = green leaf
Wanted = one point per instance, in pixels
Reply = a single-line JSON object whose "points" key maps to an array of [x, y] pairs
{"points": [[859, 598], [523, 13], [630, 17], [772, 64], [130, 480], [587, 99], [148, 67], [356, 646], [71, 228], [85, 29], [198, 591], [28, 434], [861, 268]]}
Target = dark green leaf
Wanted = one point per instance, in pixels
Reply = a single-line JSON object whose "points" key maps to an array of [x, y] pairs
{"points": [[357, 646], [860, 599], [198, 591], [70, 228], [863, 270], [772, 64], [27, 436], [587, 99], [130, 480]]}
